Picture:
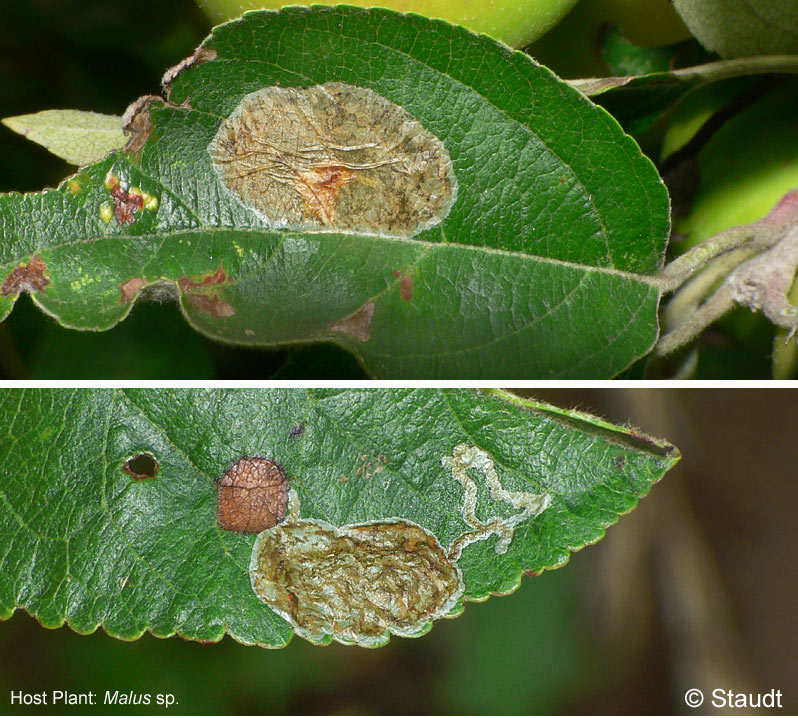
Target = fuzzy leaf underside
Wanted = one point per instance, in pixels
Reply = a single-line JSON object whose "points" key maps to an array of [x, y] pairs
{"points": [[76, 136], [542, 267], [82, 542]]}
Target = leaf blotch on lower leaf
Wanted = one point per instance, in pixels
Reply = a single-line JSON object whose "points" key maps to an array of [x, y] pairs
{"points": [[129, 289], [251, 495], [29, 277], [211, 304], [209, 280], [332, 582], [358, 325], [405, 285]]}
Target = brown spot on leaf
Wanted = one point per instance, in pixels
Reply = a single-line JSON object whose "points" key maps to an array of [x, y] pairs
{"points": [[251, 495], [208, 280], [126, 203], [358, 325], [136, 122], [333, 157], [532, 574], [27, 278], [130, 289], [211, 304], [201, 54], [405, 285], [142, 466], [296, 431], [620, 462]]}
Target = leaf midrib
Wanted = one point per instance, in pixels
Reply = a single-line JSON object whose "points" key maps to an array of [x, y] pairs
{"points": [[642, 278]]}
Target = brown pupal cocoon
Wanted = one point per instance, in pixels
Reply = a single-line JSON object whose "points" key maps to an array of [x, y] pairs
{"points": [[251, 495]]}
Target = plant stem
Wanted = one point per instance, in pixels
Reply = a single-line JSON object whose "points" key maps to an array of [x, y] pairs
{"points": [[687, 299], [708, 72], [711, 310], [785, 352], [678, 271]]}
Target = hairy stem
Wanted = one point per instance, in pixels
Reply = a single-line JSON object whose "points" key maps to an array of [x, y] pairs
{"points": [[680, 269], [710, 311], [688, 298]]}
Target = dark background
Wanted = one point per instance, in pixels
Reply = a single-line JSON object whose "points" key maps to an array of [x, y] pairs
{"points": [[695, 588]]}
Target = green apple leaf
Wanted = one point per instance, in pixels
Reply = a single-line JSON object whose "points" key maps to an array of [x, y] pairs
{"points": [[623, 57], [86, 542], [76, 136], [540, 264], [638, 101]]}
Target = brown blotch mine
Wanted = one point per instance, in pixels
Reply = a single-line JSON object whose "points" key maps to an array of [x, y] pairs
{"points": [[211, 304], [251, 495], [218, 277], [358, 325], [136, 122], [142, 466], [130, 289], [405, 285], [356, 584], [334, 158], [28, 278], [126, 203]]}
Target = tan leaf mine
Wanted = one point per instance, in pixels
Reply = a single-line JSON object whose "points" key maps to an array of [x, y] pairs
{"points": [[333, 158], [357, 325], [358, 584]]}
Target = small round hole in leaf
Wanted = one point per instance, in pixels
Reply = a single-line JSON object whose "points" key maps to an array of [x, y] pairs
{"points": [[141, 467]]}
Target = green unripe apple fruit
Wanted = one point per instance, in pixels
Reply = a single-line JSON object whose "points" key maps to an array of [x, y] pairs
{"points": [[747, 166], [573, 48], [515, 22]]}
